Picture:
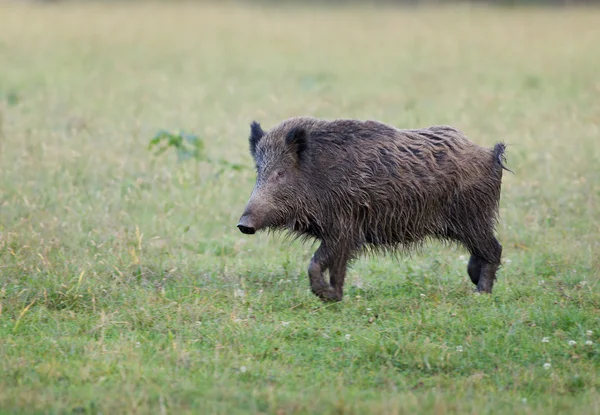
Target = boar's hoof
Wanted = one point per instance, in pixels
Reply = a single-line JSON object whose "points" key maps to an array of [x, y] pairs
{"points": [[487, 277], [484, 288], [327, 293]]}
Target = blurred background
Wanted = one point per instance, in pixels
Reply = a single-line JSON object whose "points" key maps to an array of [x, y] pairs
{"points": [[87, 86]]}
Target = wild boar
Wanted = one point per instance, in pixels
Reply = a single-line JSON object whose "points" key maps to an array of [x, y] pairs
{"points": [[364, 186]]}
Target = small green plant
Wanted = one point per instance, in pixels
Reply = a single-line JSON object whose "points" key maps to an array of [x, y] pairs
{"points": [[187, 146]]}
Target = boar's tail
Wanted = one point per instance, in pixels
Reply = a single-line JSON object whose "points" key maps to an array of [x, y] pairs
{"points": [[499, 149]]}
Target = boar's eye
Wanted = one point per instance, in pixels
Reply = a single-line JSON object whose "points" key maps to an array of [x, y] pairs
{"points": [[279, 174]]}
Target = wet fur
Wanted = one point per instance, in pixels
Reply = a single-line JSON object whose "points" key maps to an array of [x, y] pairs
{"points": [[366, 187]]}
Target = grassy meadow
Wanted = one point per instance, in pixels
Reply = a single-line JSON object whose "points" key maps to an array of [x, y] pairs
{"points": [[125, 286]]}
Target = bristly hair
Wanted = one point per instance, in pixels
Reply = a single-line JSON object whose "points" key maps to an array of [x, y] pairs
{"points": [[256, 133]]}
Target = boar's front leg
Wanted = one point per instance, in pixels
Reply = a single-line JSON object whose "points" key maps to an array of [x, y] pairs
{"points": [[324, 260], [316, 270], [337, 275]]}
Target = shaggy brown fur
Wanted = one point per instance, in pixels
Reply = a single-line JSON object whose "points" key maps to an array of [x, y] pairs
{"points": [[359, 186]]}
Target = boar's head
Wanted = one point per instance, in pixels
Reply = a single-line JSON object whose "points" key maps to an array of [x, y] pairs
{"points": [[281, 158]]}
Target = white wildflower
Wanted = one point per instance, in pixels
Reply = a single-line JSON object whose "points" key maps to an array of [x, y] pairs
{"points": [[459, 349], [137, 345], [243, 369], [423, 295], [588, 333], [347, 337], [547, 366], [285, 323], [572, 343], [545, 340], [589, 342]]}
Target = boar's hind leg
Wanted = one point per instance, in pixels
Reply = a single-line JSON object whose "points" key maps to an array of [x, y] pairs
{"points": [[483, 264], [474, 268]]}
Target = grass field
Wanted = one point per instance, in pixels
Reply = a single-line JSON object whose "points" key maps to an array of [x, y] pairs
{"points": [[125, 286]]}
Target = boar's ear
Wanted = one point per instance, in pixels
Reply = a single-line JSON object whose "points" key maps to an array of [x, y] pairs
{"points": [[297, 139], [256, 133]]}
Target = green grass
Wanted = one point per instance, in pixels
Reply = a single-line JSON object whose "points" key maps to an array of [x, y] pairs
{"points": [[125, 286]]}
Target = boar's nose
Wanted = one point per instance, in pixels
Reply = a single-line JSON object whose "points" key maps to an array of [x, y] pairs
{"points": [[249, 230], [246, 226]]}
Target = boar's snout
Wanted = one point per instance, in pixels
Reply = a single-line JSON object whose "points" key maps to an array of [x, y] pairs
{"points": [[246, 225], [257, 214]]}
